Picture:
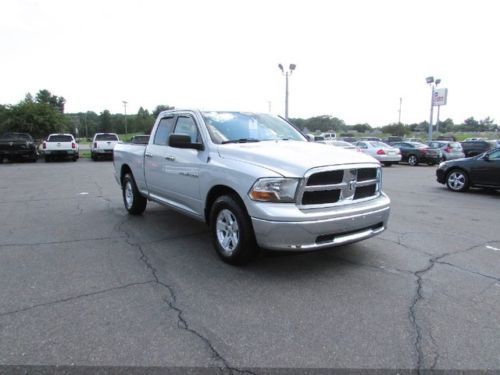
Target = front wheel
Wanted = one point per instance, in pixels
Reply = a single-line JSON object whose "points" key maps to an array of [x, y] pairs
{"points": [[457, 180], [413, 160], [231, 231], [134, 202]]}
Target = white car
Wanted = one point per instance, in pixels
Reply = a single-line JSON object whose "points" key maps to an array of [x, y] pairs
{"points": [[60, 146], [344, 145], [384, 153], [102, 145]]}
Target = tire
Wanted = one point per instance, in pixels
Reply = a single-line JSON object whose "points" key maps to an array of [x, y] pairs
{"points": [[388, 164], [457, 180], [231, 231], [93, 156], [413, 160], [47, 158], [134, 202], [75, 158]]}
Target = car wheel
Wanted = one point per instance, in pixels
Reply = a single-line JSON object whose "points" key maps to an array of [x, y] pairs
{"points": [[93, 156], [387, 164], [47, 158], [134, 202], [231, 231], [413, 160], [457, 180]]}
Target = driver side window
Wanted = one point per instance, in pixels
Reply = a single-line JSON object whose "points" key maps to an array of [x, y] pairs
{"points": [[186, 125]]}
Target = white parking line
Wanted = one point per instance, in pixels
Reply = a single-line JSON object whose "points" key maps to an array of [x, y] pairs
{"points": [[492, 248]]}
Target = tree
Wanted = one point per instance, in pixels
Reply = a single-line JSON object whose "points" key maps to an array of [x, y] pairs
{"points": [[446, 126], [161, 108], [45, 96], [38, 119], [105, 123], [361, 128], [396, 129]]}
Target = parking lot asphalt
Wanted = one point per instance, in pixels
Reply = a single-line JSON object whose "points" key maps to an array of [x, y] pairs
{"points": [[85, 284]]}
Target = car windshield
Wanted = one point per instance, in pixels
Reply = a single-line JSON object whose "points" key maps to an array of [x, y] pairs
{"points": [[60, 138], [233, 127], [379, 144], [106, 137], [25, 137]]}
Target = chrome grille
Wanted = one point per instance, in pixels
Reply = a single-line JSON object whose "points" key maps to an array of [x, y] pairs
{"points": [[329, 186]]}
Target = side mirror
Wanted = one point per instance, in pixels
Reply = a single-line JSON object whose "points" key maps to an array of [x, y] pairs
{"points": [[183, 141]]}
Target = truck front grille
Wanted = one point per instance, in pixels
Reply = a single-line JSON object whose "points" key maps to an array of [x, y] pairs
{"points": [[339, 185]]}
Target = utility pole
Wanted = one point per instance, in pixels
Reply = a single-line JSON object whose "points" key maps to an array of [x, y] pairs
{"points": [[125, 112], [399, 117], [286, 74]]}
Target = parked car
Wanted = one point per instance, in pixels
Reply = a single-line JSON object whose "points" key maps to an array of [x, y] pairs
{"points": [[102, 145], [474, 147], [329, 136], [140, 139], [382, 152], [255, 180], [478, 171], [449, 150], [60, 146], [18, 146], [371, 139], [349, 139], [415, 153]]}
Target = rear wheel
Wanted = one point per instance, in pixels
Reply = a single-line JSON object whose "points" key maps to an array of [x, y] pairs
{"points": [[413, 160], [231, 231], [93, 156], [457, 180], [387, 163], [134, 202], [47, 158]]}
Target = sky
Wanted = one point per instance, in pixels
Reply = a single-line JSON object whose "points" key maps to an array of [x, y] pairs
{"points": [[355, 59]]}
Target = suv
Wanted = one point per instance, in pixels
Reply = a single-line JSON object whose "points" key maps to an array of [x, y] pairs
{"points": [[102, 145], [475, 147], [18, 146]]}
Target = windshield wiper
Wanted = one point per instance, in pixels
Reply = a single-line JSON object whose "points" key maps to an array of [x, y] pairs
{"points": [[241, 140]]}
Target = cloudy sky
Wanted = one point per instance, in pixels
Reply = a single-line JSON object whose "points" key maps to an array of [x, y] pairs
{"points": [[354, 59]]}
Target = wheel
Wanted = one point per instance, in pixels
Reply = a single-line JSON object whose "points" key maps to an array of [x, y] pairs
{"points": [[47, 158], [457, 180], [134, 202], [231, 231], [413, 160], [387, 163], [93, 156], [75, 158]]}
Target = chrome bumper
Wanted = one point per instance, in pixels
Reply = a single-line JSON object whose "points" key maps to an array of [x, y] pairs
{"points": [[318, 234]]}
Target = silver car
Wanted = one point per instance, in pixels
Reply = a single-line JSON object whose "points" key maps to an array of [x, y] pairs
{"points": [[449, 150], [384, 153], [344, 145]]}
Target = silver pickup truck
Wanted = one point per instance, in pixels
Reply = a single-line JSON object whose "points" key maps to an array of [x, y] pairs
{"points": [[255, 180]]}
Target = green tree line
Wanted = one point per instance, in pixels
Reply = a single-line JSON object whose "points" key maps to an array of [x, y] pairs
{"points": [[44, 114]]}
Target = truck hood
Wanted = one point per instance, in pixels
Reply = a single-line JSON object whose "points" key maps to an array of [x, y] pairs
{"points": [[292, 158]]}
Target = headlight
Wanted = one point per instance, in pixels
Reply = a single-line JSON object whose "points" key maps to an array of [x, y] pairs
{"points": [[274, 190]]}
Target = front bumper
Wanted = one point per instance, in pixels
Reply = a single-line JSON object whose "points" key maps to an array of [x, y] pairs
{"points": [[441, 175], [18, 154], [344, 225]]}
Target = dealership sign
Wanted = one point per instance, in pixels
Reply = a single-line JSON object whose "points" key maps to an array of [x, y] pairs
{"points": [[440, 97]]}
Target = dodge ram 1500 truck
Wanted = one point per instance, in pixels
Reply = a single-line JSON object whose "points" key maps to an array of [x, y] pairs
{"points": [[255, 180]]}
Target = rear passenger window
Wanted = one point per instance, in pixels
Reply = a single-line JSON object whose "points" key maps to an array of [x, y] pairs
{"points": [[163, 130], [187, 126]]}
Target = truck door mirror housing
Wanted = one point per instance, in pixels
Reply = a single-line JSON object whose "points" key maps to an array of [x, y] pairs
{"points": [[183, 141]]}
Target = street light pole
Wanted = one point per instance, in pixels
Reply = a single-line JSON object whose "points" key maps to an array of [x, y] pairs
{"points": [[400, 102], [287, 73], [125, 111], [433, 84]]}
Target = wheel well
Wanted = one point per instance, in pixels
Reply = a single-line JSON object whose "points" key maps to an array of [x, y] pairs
{"points": [[217, 191], [125, 169]]}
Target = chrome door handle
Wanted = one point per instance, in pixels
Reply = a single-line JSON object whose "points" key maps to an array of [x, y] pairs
{"points": [[148, 155], [170, 158]]}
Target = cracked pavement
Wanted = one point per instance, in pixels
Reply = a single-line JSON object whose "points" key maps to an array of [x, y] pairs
{"points": [[83, 283]]}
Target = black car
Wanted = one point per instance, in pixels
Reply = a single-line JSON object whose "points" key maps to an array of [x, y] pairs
{"points": [[478, 171], [415, 153]]}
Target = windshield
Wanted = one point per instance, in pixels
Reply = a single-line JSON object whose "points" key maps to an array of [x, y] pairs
{"points": [[106, 137], [60, 138], [226, 127]]}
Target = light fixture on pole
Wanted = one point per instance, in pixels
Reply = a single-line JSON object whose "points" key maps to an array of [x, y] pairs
{"points": [[125, 114], [287, 73], [433, 84]]}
